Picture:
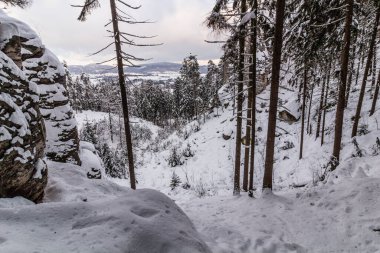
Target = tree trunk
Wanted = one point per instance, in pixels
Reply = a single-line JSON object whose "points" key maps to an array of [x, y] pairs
{"points": [[325, 109], [239, 108], [374, 67], [309, 130], [320, 110], [349, 83], [366, 71], [110, 122], [303, 109], [123, 92], [359, 65], [376, 94], [248, 138], [325, 105], [343, 81], [276, 68], [253, 83]]}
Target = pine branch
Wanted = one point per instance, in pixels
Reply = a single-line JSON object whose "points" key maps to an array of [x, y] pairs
{"points": [[88, 6], [101, 50], [129, 6], [99, 63]]}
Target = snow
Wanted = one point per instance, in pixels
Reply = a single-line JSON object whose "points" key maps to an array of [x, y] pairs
{"points": [[89, 156], [4, 134], [331, 217], [303, 214], [40, 167], [246, 18], [83, 215], [339, 214], [11, 26], [292, 107]]}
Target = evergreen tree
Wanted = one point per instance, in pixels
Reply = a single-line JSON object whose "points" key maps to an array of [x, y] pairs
{"points": [[187, 90], [88, 133], [343, 81], [371, 53], [276, 65]]}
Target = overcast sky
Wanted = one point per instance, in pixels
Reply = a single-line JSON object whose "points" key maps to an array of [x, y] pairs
{"points": [[178, 24]]}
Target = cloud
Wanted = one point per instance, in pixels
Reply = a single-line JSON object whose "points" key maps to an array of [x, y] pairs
{"points": [[178, 25]]}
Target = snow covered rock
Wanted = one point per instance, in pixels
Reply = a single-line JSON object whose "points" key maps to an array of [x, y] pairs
{"points": [[22, 134], [43, 68], [290, 112]]}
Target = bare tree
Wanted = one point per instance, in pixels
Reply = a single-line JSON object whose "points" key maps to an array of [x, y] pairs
{"points": [[123, 59]]}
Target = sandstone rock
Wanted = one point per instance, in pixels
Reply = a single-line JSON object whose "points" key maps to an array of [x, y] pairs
{"points": [[62, 135], [22, 140], [43, 68]]}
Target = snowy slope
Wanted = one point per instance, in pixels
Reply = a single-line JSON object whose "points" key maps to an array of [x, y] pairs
{"points": [[338, 216], [305, 215]]}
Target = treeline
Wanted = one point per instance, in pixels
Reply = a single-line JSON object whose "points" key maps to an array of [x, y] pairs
{"points": [[329, 44], [165, 103]]}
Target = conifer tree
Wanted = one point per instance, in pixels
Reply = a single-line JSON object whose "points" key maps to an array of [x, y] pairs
{"points": [[275, 83], [371, 51], [343, 80]]}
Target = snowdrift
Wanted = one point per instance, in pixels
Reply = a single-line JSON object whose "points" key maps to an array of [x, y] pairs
{"points": [[83, 215]]}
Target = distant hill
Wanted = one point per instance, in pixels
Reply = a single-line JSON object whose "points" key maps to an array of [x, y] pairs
{"points": [[144, 69]]}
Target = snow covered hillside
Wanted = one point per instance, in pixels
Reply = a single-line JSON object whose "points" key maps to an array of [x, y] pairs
{"points": [[274, 149], [337, 214]]}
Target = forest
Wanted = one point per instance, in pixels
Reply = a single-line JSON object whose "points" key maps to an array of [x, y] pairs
{"points": [[272, 146]]}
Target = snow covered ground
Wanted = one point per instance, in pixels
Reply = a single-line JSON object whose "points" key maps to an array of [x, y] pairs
{"points": [[339, 214], [84, 215]]}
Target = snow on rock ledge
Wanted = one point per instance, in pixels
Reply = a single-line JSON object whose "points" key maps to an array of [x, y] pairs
{"points": [[42, 67]]}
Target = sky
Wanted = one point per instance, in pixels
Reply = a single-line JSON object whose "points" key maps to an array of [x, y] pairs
{"points": [[178, 24]]}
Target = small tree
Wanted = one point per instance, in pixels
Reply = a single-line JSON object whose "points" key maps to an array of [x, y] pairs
{"points": [[175, 181], [88, 133], [175, 158]]}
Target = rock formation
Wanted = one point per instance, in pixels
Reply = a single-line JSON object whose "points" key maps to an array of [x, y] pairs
{"points": [[43, 68], [36, 118], [290, 112], [22, 139]]}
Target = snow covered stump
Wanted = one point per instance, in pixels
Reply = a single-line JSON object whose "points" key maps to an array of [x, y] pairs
{"points": [[43, 68]]}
